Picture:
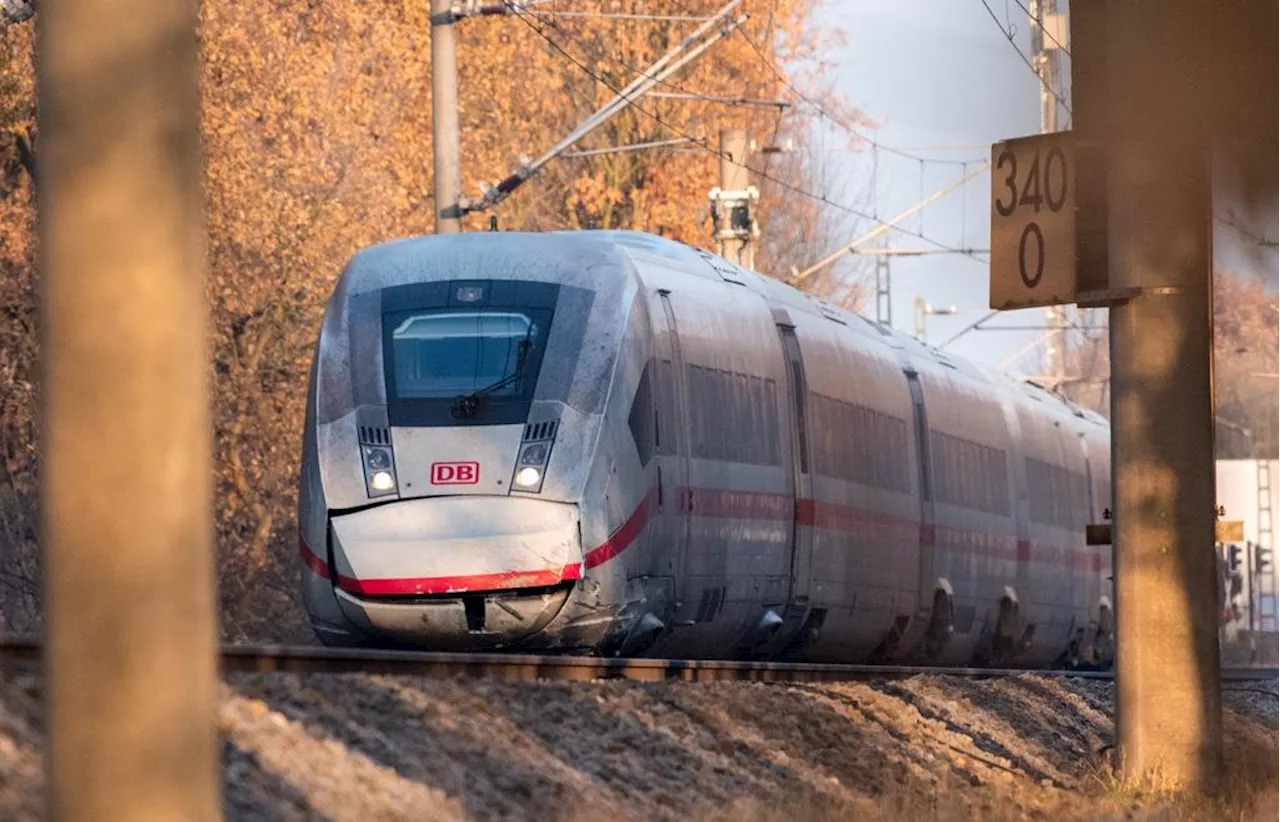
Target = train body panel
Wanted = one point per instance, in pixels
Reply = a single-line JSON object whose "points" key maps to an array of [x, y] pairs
{"points": [[725, 467]]}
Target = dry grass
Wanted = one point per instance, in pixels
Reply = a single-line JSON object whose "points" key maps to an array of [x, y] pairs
{"points": [[935, 749], [1251, 793]]}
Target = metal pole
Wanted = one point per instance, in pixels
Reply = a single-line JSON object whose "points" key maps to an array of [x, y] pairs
{"points": [[445, 143], [1045, 56], [127, 470], [1169, 721], [596, 152], [884, 289], [734, 246]]}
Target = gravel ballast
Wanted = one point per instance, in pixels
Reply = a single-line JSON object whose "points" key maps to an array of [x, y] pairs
{"points": [[365, 747]]}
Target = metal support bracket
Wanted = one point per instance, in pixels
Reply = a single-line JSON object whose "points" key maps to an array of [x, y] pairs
{"points": [[1115, 296]]}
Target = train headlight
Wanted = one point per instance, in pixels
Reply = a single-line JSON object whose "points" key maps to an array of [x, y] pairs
{"points": [[379, 471], [528, 477], [535, 454]]}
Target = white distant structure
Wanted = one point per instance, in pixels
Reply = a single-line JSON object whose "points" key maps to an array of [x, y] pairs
{"points": [[1247, 493]]}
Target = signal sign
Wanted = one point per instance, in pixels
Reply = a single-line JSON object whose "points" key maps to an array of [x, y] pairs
{"points": [[1033, 222], [1229, 530], [1261, 560]]}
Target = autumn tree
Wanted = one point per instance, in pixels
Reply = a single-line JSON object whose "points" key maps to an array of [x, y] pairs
{"points": [[19, 336], [1245, 344], [317, 142]]}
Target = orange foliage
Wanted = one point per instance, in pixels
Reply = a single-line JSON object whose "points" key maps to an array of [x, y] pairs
{"points": [[317, 141], [19, 336]]}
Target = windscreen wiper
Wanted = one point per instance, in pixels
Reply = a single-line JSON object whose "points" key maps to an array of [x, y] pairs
{"points": [[469, 405]]}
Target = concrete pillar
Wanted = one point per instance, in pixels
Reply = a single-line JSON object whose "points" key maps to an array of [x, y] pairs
{"points": [[126, 475], [1169, 721]]}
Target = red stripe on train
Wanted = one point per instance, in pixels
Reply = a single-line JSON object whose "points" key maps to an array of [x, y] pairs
{"points": [[725, 504], [717, 502], [626, 534], [457, 584], [309, 558]]}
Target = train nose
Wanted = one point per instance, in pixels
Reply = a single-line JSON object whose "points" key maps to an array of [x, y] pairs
{"points": [[456, 570]]}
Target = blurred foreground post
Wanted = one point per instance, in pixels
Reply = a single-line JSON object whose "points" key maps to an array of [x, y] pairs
{"points": [[130, 637]]}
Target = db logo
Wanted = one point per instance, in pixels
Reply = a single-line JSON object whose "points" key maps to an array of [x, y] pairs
{"points": [[455, 473]]}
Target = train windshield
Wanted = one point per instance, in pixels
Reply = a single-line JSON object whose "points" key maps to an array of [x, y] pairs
{"points": [[441, 354], [464, 352]]}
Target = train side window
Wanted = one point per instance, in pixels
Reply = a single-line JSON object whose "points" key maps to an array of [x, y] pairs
{"points": [[642, 420], [799, 392], [770, 411], [696, 398], [750, 442], [990, 492], [858, 444], [665, 408], [733, 416], [755, 403]]}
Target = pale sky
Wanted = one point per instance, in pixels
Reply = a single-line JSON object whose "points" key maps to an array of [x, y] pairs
{"points": [[938, 74]]}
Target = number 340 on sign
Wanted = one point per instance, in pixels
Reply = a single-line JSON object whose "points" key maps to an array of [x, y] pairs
{"points": [[1033, 222]]}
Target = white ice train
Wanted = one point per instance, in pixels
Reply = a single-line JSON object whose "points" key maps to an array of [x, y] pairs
{"points": [[609, 442]]}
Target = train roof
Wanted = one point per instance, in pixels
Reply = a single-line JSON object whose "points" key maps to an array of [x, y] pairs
{"points": [[404, 260]]}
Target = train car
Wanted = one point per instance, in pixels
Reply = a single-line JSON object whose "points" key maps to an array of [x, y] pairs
{"points": [[612, 443]]}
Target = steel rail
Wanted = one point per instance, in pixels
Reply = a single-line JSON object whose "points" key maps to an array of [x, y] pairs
{"points": [[530, 667]]}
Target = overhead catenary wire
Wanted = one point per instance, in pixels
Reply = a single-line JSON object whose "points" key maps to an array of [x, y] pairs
{"points": [[512, 8], [716, 98], [885, 225], [824, 114], [1008, 35], [601, 15], [763, 173], [535, 25], [678, 56], [595, 152]]}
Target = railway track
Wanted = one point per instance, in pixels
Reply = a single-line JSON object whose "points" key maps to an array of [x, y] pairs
{"points": [[527, 667]]}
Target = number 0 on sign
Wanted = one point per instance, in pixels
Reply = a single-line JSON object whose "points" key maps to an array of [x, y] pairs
{"points": [[1033, 222]]}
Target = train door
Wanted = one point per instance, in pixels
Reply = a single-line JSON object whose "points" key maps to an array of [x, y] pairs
{"points": [[924, 467], [802, 518], [670, 510], [1023, 583]]}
